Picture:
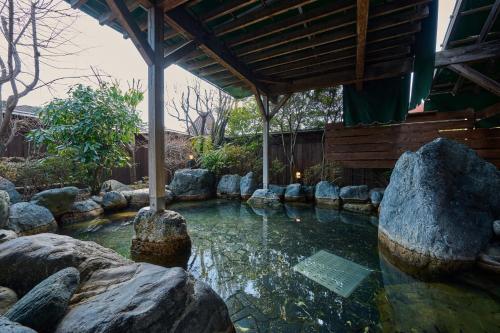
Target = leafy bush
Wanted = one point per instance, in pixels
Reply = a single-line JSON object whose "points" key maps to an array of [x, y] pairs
{"points": [[92, 127], [332, 172]]}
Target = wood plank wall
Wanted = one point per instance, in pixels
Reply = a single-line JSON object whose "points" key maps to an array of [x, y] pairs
{"points": [[380, 146]]}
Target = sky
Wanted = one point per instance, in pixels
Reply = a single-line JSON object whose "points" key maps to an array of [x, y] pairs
{"points": [[105, 49]]}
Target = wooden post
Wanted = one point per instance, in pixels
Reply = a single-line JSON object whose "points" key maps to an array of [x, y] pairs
{"points": [[156, 131], [265, 144]]}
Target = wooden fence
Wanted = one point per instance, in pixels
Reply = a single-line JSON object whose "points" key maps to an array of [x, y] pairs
{"points": [[380, 146]]}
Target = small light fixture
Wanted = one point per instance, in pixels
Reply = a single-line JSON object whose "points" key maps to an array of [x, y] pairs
{"points": [[297, 220], [191, 157], [298, 175]]}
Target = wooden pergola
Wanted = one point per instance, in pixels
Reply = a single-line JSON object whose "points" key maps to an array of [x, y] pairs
{"points": [[262, 47]]}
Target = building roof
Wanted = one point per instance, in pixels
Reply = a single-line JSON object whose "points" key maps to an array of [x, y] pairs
{"points": [[467, 67], [25, 110], [276, 46]]}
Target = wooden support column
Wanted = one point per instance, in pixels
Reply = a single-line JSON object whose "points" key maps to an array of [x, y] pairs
{"points": [[156, 151], [265, 144], [267, 115]]}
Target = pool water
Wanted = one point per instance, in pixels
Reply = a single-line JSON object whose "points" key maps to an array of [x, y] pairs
{"points": [[248, 257]]}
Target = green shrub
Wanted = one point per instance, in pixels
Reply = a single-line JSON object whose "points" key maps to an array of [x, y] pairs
{"points": [[332, 172]]}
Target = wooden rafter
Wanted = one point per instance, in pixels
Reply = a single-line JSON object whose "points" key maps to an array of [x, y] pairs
{"points": [[279, 105], [171, 4], [478, 78], [266, 12], [180, 53], [378, 71], [470, 53], [75, 4], [225, 9], [180, 20], [491, 111], [128, 23], [361, 29]]}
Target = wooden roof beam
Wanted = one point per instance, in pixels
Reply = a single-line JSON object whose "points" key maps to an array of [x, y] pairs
{"points": [[470, 53], [488, 25], [171, 4], [489, 112], [180, 53], [478, 78], [75, 4], [266, 12], [363, 8], [128, 23], [383, 70], [225, 9], [180, 20]]}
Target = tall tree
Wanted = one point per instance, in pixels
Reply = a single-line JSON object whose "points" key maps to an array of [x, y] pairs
{"points": [[204, 112], [31, 31]]}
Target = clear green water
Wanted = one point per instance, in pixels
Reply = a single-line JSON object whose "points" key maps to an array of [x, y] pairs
{"points": [[248, 257]]}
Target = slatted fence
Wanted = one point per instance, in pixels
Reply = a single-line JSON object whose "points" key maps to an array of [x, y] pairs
{"points": [[380, 146]]}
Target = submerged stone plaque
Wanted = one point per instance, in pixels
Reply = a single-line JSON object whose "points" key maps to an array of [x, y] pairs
{"points": [[339, 275]]}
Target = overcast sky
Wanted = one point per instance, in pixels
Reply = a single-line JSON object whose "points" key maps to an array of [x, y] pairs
{"points": [[106, 49]]}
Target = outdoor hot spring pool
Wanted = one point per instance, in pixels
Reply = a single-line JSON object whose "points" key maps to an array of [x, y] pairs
{"points": [[250, 259]]}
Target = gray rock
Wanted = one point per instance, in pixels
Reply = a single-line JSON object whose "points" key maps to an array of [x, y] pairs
{"points": [[57, 200], [354, 194], [496, 228], [248, 185], [359, 208], [161, 238], [8, 298], [4, 208], [327, 194], [26, 261], [309, 192], [115, 295], [376, 195], [97, 199], [7, 326], [137, 198], [278, 190], [229, 186], [193, 184], [437, 212], [9, 187], [43, 306], [114, 185], [113, 201], [294, 193], [146, 298], [262, 198], [6, 235], [26, 218], [82, 211]]}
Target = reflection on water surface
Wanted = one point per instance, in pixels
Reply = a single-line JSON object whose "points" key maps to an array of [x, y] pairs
{"points": [[248, 256]]}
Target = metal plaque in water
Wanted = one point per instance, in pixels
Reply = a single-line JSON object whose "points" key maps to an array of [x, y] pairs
{"points": [[340, 275]]}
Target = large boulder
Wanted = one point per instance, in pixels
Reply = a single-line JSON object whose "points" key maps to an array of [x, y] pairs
{"points": [[294, 193], [354, 194], [376, 195], [4, 208], [8, 298], [161, 238], [6, 235], [116, 295], [26, 261], [113, 201], [9, 187], [137, 198], [82, 211], [146, 298], [43, 306], [327, 194], [264, 198], [278, 190], [114, 185], [7, 326], [57, 200], [248, 185], [192, 184], [437, 212], [26, 218], [229, 186]]}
